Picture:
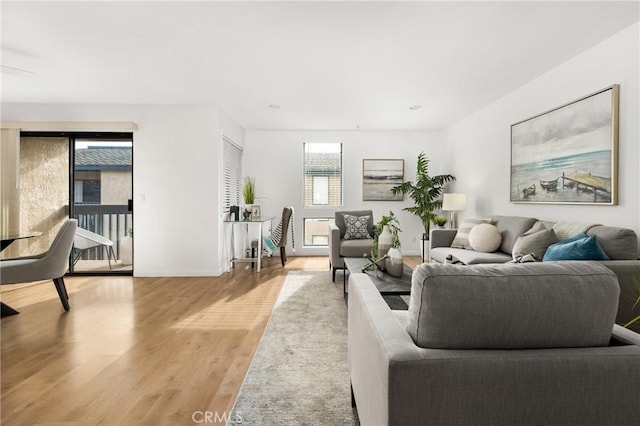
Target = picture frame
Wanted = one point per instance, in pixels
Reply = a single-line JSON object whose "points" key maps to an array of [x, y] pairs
{"points": [[255, 212], [568, 155], [379, 176]]}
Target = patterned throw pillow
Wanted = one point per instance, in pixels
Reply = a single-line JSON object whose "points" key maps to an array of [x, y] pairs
{"points": [[356, 227], [461, 239]]}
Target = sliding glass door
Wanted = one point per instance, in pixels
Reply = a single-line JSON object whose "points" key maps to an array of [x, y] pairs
{"points": [[86, 176], [102, 194]]}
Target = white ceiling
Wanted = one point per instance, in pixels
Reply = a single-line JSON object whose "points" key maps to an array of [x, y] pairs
{"points": [[329, 65]]}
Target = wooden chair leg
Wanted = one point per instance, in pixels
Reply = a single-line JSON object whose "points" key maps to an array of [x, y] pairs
{"points": [[283, 255], [62, 292]]}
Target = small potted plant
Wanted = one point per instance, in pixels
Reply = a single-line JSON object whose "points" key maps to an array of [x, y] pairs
{"points": [[248, 193], [385, 253], [440, 220], [385, 235], [126, 247]]}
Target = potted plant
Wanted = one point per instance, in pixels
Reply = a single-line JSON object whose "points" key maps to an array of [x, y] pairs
{"points": [[385, 238], [636, 283], [440, 220], [386, 230], [425, 192], [248, 193], [393, 257]]}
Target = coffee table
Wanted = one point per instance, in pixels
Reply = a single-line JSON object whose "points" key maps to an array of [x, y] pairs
{"points": [[386, 284]]}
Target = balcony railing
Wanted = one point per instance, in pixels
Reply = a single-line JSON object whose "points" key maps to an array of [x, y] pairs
{"points": [[109, 220]]}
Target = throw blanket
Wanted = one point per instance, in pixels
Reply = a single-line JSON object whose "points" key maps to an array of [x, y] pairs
{"points": [[565, 230], [276, 234]]}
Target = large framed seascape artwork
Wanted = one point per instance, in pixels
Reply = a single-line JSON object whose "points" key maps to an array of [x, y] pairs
{"points": [[568, 155], [379, 176]]}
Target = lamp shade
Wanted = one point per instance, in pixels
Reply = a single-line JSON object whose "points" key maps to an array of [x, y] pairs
{"points": [[454, 202]]}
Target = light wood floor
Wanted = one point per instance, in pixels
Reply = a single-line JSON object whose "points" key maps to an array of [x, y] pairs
{"points": [[135, 351]]}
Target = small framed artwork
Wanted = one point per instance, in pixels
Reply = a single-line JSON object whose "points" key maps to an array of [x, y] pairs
{"points": [[568, 155], [379, 176], [255, 211]]}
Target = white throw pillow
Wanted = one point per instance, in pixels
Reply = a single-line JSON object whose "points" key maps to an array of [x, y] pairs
{"points": [[461, 239], [485, 238]]}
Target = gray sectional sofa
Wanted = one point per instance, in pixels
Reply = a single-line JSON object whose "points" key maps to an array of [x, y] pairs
{"points": [[517, 344], [620, 245]]}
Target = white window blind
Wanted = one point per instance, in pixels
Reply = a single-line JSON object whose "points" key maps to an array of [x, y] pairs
{"points": [[231, 174], [323, 174]]}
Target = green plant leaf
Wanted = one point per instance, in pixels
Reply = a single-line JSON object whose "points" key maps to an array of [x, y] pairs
{"points": [[426, 192], [633, 321]]}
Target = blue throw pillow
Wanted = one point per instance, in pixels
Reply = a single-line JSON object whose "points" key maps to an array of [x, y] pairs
{"points": [[585, 248]]}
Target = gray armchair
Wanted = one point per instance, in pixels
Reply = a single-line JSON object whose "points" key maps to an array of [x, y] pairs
{"points": [[339, 248], [51, 265]]}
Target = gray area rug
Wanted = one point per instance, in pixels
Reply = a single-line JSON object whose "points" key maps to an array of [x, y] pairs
{"points": [[299, 374]]}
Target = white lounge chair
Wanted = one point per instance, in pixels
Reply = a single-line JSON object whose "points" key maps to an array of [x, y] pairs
{"points": [[85, 240]]}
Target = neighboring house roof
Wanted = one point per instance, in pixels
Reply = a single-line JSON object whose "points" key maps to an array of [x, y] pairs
{"points": [[103, 158]]}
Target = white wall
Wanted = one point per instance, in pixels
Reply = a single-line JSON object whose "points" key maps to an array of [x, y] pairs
{"points": [[176, 179], [275, 159], [177, 161], [479, 145]]}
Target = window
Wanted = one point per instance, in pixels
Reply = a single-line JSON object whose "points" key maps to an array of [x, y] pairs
{"points": [[231, 174], [323, 174], [87, 191], [316, 232], [320, 190]]}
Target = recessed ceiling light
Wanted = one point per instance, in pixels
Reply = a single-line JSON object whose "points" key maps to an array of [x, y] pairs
{"points": [[415, 107], [274, 106]]}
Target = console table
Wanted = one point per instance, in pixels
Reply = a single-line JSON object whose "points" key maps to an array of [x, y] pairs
{"points": [[254, 224]]}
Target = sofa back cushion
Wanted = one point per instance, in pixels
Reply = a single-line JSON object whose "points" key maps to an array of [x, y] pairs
{"points": [[511, 227], [513, 306], [617, 243], [339, 219]]}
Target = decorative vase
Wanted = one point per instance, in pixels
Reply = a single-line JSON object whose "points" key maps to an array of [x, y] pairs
{"points": [[384, 242], [393, 263]]}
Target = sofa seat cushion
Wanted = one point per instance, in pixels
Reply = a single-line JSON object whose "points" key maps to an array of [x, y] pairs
{"points": [[511, 227], [513, 306], [355, 248], [468, 257]]}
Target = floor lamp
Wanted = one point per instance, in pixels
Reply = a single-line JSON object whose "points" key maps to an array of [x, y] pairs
{"points": [[454, 203]]}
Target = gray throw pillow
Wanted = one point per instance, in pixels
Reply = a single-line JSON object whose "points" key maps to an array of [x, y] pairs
{"points": [[461, 239], [535, 242], [356, 227]]}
